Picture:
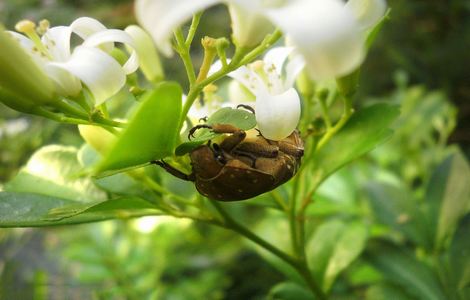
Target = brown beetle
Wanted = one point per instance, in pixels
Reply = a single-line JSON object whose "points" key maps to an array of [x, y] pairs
{"points": [[240, 167]]}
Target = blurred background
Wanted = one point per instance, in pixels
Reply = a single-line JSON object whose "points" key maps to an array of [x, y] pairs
{"points": [[420, 61]]}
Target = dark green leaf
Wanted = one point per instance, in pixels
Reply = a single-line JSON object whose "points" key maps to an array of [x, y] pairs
{"points": [[289, 291], [31, 210], [459, 255], [448, 196], [55, 171], [151, 133], [237, 117], [363, 132], [395, 207], [402, 268]]}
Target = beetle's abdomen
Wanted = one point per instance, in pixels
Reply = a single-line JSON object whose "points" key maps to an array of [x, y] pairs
{"points": [[234, 182]]}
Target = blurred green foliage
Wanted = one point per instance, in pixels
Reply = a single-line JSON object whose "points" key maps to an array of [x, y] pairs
{"points": [[404, 233]]}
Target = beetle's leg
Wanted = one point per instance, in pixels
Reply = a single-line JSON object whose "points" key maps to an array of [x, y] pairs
{"points": [[252, 157], [291, 149], [229, 143], [219, 154], [247, 107], [258, 149], [203, 119], [173, 171], [195, 128]]}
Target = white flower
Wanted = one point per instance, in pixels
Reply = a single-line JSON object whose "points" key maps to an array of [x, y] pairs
{"points": [[328, 33], [271, 81], [90, 62]]}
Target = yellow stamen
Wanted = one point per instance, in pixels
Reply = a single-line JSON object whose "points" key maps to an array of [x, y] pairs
{"points": [[28, 28], [43, 26]]}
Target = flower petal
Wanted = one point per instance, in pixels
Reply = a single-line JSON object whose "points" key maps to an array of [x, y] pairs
{"points": [[148, 57], [367, 12], [328, 36], [277, 56], [278, 116], [66, 84], [85, 27], [57, 42], [102, 74], [161, 17], [293, 68], [249, 27], [115, 35]]}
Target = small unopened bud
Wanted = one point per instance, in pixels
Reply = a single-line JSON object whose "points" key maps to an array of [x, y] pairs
{"points": [[211, 88], [209, 43]]}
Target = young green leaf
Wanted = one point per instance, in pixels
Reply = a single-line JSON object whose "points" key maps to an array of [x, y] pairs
{"points": [[289, 291], [459, 257], [386, 292], [237, 117], [448, 196], [151, 133], [364, 131]]}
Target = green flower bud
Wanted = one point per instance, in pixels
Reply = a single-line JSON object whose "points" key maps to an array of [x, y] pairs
{"points": [[15, 102], [97, 137], [20, 75]]}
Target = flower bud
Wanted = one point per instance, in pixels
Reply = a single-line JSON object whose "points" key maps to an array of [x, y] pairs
{"points": [[20, 75], [248, 29], [16, 102], [97, 137]]}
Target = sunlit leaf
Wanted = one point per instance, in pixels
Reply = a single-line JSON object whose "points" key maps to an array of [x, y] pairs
{"points": [[55, 171], [31, 210], [151, 133]]}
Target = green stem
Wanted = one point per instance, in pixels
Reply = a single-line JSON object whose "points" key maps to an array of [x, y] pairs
{"points": [[238, 60], [183, 51], [298, 265], [192, 29], [348, 111]]}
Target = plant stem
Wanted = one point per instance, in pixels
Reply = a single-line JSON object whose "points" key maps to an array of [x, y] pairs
{"points": [[348, 111], [183, 51], [192, 29], [298, 265]]}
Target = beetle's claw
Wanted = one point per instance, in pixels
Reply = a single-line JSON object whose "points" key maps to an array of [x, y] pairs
{"points": [[247, 107], [195, 128], [204, 119]]}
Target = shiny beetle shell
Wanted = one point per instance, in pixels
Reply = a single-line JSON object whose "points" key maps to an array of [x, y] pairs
{"points": [[245, 173]]}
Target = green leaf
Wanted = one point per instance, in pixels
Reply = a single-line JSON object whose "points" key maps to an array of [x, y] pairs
{"points": [[289, 291], [237, 117], [386, 292], [363, 132], [459, 256], [348, 247], [334, 246], [396, 208], [31, 210], [54, 171], [448, 196], [151, 133], [320, 248], [374, 32], [402, 268]]}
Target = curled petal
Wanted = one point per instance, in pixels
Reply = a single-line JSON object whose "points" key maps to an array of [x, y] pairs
{"points": [[367, 12], [148, 57], [161, 17], [278, 116], [66, 84], [85, 27], [115, 35], [328, 36], [293, 68], [102, 74]]}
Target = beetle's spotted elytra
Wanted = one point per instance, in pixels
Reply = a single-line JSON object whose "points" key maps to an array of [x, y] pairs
{"points": [[240, 167]]}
